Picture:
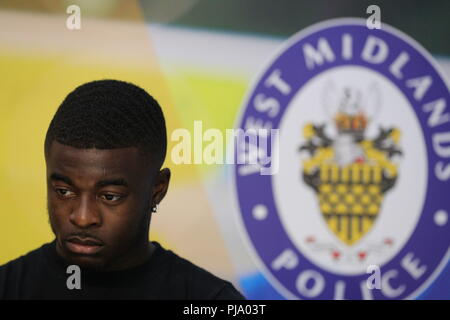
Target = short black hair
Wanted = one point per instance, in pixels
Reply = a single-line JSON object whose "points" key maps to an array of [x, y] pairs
{"points": [[110, 114]]}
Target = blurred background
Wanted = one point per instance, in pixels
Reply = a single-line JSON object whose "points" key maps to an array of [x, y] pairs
{"points": [[198, 58]]}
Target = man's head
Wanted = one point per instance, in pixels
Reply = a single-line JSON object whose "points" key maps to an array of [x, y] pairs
{"points": [[104, 150]]}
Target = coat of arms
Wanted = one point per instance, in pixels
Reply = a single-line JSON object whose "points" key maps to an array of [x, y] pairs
{"points": [[349, 172]]}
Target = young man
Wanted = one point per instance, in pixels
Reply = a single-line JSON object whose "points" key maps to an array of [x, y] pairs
{"points": [[104, 150]]}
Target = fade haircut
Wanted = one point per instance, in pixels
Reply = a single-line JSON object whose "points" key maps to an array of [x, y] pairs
{"points": [[110, 114]]}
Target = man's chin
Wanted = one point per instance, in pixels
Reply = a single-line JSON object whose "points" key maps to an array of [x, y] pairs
{"points": [[95, 262], [92, 263]]}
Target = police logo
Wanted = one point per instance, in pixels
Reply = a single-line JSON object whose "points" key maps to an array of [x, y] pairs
{"points": [[364, 165]]}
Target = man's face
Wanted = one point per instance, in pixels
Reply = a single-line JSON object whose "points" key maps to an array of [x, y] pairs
{"points": [[99, 203]]}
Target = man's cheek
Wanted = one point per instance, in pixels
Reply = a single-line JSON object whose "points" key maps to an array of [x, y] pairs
{"points": [[57, 218], [120, 230]]}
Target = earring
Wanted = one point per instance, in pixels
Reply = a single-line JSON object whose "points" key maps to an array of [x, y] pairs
{"points": [[155, 208]]}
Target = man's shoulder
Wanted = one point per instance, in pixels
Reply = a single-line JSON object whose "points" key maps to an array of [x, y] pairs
{"points": [[26, 260], [197, 282], [18, 272]]}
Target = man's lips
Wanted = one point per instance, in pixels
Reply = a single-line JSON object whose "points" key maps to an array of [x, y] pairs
{"points": [[83, 245]]}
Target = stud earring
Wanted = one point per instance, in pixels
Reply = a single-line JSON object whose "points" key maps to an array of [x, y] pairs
{"points": [[155, 208]]}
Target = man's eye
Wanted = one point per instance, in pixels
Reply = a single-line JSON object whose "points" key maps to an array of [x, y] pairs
{"points": [[63, 192], [112, 197]]}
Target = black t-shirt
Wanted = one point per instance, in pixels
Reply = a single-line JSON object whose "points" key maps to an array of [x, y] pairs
{"points": [[42, 274]]}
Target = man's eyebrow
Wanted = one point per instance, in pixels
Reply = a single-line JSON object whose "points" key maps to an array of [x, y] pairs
{"points": [[114, 182], [60, 177], [99, 184]]}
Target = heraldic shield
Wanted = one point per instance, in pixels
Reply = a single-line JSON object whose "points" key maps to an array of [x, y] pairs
{"points": [[350, 174]]}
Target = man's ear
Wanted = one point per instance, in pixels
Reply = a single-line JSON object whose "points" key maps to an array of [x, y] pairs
{"points": [[161, 185]]}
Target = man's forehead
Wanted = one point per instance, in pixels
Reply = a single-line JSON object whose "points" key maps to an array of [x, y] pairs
{"points": [[61, 155]]}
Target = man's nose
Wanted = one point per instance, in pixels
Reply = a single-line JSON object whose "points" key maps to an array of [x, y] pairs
{"points": [[86, 213]]}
